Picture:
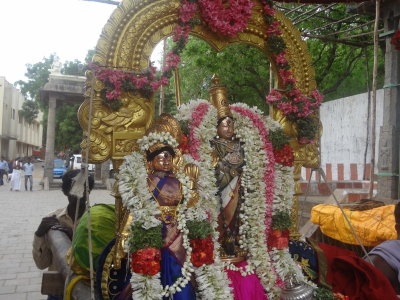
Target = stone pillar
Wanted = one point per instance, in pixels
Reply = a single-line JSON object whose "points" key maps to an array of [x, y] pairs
{"points": [[388, 160], [50, 139]]}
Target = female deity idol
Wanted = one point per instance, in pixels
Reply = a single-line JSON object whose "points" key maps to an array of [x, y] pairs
{"points": [[170, 243]]}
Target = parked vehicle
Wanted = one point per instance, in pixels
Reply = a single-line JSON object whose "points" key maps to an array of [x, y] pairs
{"points": [[59, 168], [76, 163]]}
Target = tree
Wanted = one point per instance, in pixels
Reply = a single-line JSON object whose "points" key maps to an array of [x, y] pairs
{"points": [[38, 75], [243, 69], [69, 132], [29, 111], [67, 125]]}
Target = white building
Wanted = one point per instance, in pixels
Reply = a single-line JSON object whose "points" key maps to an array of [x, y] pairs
{"points": [[346, 137], [17, 137]]}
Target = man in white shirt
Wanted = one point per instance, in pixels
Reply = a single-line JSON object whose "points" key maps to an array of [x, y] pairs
{"points": [[28, 170]]}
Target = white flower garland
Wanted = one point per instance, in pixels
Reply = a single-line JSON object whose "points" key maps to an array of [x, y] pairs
{"points": [[252, 230], [137, 198], [157, 137]]}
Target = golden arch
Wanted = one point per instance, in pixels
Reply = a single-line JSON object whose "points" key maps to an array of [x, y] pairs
{"points": [[127, 41]]}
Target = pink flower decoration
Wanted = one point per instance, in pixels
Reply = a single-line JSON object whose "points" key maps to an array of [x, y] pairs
{"points": [[181, 32], [140, 82], [113, 95], [268, 10], [171, 61], [274, 96], [164, 80], [281, 58], [274, 28], [228, 20], [155, 85], [197, 117], [187, 11], [287, 76]]}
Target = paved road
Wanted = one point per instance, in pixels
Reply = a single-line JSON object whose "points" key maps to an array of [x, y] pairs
{"points": [[20, 215]]}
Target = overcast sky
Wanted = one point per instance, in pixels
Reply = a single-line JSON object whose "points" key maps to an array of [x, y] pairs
{"points": [[33, 29]]}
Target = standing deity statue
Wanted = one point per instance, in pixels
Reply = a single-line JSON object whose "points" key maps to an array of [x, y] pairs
{"points": [[228, 160]]}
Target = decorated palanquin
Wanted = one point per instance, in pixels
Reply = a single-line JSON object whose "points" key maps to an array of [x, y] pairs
{"points": [[222, 197]]}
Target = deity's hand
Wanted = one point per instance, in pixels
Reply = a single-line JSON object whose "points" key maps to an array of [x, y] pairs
{"points": [[46, 224]]}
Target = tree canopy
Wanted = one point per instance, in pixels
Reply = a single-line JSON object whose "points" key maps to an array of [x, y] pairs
{"points": [[69, 132]]}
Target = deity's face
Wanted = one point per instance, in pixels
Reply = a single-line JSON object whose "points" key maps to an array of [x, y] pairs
{"points": [[226, 129], [162, 162]]}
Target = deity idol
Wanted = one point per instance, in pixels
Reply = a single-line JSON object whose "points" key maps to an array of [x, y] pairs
{"points": [[228, 160], [171, 240]]}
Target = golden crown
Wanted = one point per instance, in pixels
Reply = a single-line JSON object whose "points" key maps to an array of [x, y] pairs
{"points": [[160, 134], [219, 98]]}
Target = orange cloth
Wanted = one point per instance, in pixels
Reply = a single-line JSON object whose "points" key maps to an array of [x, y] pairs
{"points": [[372, 226]]}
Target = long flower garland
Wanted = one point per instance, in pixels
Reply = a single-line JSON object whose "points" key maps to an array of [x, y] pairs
{"points": [[136, 197], [258, 182], [291, 102]]}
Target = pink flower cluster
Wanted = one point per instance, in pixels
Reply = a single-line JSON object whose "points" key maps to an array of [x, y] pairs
{"points": [[118, 81], [181, 32], [172, 60], [197, 117], [274, 29], [228, 20], [187, 11], [291, 102], [294, 103]]}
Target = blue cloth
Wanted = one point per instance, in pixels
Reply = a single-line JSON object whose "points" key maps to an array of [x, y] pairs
{"points": [[306, 257], [170, 271], [390, 252]]}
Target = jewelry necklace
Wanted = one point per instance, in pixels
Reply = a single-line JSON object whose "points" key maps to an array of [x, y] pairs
{"points": [[168, 212]]}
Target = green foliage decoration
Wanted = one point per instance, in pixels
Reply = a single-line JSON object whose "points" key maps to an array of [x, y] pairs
{"points": [[281, 221], [308, 127], [145, 238], [278, 138], [198, 229], [321, 293]]}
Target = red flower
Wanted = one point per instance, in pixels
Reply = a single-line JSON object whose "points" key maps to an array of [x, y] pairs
{"points": [[278, 239], [146, 261], [395, 41], [203, 251], [284, 156]]}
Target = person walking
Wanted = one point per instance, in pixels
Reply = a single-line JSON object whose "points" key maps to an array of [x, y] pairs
{"points": [[28, 170], [15, 181], [3, 169]]}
